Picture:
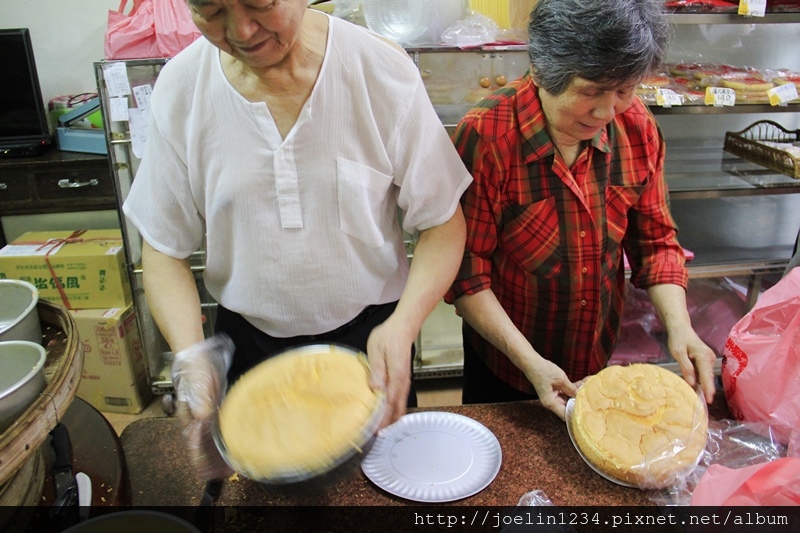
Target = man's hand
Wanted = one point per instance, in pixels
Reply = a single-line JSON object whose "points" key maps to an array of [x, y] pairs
{"points": [[389, 350], [199, 377]]}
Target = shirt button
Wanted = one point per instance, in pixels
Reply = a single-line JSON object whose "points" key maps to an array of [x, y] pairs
{"points": [[583, 303], [582, 234], [584, 270]]}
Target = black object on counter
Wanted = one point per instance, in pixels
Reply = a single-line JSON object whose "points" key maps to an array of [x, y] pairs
{"points": [[66, 502]]}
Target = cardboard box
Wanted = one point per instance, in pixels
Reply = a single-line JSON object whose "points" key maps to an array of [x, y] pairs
{"points": [[89, 265], [115, 377]]}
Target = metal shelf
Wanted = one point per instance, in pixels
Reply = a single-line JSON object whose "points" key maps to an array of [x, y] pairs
{"points": [[738, 109], [675, 18], [451, 114], [734, 18], [483, 48], [699, 168]]}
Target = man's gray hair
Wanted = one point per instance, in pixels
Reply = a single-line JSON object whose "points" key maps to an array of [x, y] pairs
{"points": [[606, 41]]}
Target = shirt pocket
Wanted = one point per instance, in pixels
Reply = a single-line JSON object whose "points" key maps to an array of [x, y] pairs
{"points": [[362, 194], [620, 200], [532, 238]]}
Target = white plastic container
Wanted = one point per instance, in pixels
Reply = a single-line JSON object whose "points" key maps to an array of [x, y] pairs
{"points": [[412, 22]]}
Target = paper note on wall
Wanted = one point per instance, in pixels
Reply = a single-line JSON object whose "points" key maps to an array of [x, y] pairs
{"points": [[137, 119], [142, 96], [116, 78], [119, 108]]}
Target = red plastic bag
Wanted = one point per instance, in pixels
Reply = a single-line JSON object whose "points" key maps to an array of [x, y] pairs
{"points": [[774, 483], [761, 360], [174, 27], [132, 35]]}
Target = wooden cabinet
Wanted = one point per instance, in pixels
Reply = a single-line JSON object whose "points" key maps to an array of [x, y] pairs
{"points": [[55, 182]]}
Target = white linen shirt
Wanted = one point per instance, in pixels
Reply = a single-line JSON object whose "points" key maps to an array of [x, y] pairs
{"points": [[302, 233]]}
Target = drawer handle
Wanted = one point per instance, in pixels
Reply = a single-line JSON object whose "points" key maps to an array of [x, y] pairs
{"points": [[67, 184]]}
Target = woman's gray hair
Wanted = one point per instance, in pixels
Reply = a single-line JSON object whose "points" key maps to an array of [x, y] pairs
{"points": [[606, 41]]}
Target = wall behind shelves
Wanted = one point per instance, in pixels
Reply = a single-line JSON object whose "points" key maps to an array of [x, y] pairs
{"points": [[67, 38]]}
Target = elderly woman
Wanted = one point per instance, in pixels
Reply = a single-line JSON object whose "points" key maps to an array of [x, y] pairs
{"points": [[568, 174], [288, 140]]}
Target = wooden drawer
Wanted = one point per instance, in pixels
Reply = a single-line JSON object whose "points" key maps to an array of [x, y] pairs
{"points": [[58, 182], [84, 184], [14, 188]]}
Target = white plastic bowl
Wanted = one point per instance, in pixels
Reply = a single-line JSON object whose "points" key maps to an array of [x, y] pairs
{"points": [[412, 22], [21, 378]]}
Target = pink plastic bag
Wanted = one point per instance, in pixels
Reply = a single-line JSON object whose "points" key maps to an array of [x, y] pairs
{"points": [[132, 35], [761, 360], [174, 27], [774, 483]]}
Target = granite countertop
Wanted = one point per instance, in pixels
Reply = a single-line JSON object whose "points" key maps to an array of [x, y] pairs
{"points": [[537, 454]]}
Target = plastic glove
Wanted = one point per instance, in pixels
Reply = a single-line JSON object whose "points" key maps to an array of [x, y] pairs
{"points": [[199, 377]]}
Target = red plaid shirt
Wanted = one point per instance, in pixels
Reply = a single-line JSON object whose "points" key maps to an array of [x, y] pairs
{"points": [[549, 240]]}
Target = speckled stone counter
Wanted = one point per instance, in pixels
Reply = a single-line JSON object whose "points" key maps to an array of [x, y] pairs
{"points": [[537, 454]]}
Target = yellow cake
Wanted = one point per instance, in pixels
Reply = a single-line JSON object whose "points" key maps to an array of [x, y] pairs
{"points": [[640, 424], [298, 413]]}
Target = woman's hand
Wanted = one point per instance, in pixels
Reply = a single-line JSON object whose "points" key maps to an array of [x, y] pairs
{"points": [[552, 385], [695, 359]]}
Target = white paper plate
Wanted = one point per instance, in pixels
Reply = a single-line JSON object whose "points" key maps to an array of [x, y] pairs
{"points": [[433, 457], [570, 408]]}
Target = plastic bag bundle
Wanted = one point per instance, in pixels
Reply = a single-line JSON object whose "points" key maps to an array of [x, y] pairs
{"points": [[773, 483], [131, 35], [174, 27], [731, 445], [761, 361], [152, 28]]}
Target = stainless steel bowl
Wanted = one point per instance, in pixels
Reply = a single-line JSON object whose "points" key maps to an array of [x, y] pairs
{"points": [[292, 480], [19, 319], [21, 378]]}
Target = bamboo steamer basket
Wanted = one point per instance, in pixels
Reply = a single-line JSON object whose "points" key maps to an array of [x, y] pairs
{"points": [[22, 492], [21, 442]]}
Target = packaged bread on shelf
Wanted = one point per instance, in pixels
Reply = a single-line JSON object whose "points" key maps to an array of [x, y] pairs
{"points": [[640, 425], [648, 88], [784, 77], [750, 88]]}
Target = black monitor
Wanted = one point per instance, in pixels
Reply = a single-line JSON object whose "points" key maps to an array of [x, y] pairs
{"points": [[24, 130]]}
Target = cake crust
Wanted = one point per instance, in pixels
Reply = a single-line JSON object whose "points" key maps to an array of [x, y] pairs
{"points": [[640, 424]]}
